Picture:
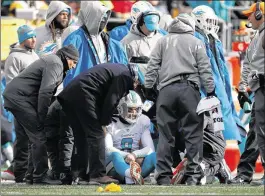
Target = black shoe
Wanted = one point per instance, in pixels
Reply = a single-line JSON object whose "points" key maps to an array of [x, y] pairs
{"points": [[46, 180], [165, 181], [80, 181], [28, 179], [192, 182], [67, 178], [238, 181], [103, 180], [224, 173], [53, 175]]}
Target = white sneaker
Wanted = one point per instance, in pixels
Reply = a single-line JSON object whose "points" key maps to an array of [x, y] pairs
{"points": [[7, 175]]}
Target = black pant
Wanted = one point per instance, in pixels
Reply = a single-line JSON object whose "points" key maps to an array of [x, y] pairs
{"points": [[22, 162], [246, 166], [26, 127], [89, 141], [60, 139], [176, 104], [260, 121]]}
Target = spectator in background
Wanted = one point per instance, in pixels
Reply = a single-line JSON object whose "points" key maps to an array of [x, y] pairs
{"points": [[49, 35], [93, 44], [118, 33], [143, 35], [21, 56]]}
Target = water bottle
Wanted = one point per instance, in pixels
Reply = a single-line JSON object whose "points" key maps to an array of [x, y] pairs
{"points": [[246, 107]]}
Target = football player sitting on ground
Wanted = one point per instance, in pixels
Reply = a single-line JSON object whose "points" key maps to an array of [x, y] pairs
{"points": [[130, 153]]}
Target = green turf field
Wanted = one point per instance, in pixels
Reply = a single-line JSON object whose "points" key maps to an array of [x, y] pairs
{"points": [[22, 189]]}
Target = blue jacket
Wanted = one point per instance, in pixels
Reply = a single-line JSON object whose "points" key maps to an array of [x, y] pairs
{"points": [[223, 90], [119, 32], [4, 112], [116, 53]]}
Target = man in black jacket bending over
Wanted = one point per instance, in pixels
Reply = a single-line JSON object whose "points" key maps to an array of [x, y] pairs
{"points": [[28, 97], [89, 101]]}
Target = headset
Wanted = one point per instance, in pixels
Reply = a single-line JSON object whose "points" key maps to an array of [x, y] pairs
{"points": [[140, 18], [258, 12]]}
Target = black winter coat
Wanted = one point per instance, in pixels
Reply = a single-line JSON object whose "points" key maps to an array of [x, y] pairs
{"points": [[36, 85], [98, 90]]}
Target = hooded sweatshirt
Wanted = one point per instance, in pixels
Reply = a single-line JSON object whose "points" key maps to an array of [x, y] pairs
{"points": [[97, 49], [18, 59], [47, 42], [177, 54], [138, 44], [91, 16]]}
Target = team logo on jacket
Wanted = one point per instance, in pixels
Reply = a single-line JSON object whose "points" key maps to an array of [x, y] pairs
{"points": [[46, 48]]}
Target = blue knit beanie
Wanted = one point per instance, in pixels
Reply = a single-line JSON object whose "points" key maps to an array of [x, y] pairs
{"points": [[25, 32]]}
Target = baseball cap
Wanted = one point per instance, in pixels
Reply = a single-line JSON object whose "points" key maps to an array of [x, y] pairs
{"points": [[253, 9], [151, 22]]}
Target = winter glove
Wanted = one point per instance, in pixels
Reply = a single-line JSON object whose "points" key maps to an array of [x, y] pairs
{"points": [[242, 98], [150, 94]]}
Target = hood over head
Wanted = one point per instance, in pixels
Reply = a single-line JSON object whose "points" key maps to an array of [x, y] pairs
{"points": [[91, 14], [183, 23], [55, 8]]}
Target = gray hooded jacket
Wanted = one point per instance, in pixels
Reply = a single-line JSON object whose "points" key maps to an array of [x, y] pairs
{"points": [[253, 62], [90, 15], [45, 33], [179, 53], [137, 44], [18, 59]]}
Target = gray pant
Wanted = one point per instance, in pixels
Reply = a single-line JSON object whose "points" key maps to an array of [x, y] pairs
{"points": [[176, 104], [246, 166], [260, 121]]}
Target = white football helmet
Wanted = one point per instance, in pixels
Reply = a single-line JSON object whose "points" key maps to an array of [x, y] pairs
{"points": [[139, 7], [130, 107], [206, 19]]}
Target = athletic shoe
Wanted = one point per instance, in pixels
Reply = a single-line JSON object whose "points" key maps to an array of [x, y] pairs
{"points": [[7, 175], [135, 171], [257, 182], [224, 173], [178, 173], [238, 181]]}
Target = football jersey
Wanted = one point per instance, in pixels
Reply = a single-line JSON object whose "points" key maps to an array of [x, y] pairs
{"points": [[127, 137]]}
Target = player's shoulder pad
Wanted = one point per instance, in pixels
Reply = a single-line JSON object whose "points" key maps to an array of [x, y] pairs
{"points": [[144, 121]]}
